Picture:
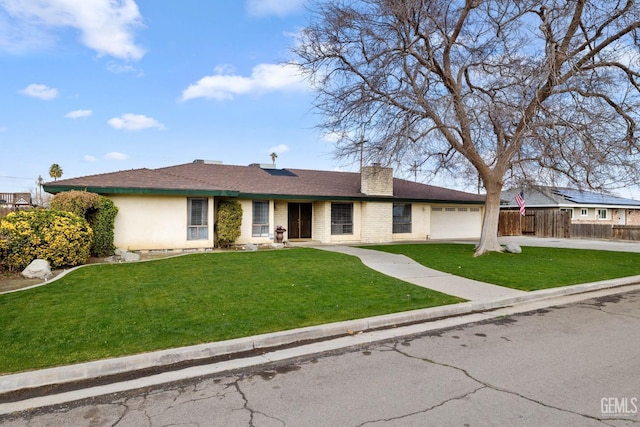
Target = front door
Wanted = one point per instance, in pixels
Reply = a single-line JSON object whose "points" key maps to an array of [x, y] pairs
{"points": [[299, 220]]}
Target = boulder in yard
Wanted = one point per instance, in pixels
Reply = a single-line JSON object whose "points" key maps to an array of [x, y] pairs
{"points": [[513, 248], [38, 269], [129, 256]]}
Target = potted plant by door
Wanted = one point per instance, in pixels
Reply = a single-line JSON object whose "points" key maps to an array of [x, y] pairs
{"points": [[280, 233]]}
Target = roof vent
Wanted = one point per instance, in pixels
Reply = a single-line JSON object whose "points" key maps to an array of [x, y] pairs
{"points": [[264, 165], [208, 162]]}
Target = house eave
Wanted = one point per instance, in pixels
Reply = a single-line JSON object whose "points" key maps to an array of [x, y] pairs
{"points": [[54, 189]]}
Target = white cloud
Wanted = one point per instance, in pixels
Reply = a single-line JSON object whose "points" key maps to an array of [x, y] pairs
{"points": [[105, 26], [114, 155], [76, 114], [89, 158], [124, 68], [282, 148], [264, 78], [273, 7], [135, 122], [40, 91]]}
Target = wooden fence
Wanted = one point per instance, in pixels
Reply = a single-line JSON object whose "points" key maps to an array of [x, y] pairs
{"points": [[540, 223], [546, 223]]}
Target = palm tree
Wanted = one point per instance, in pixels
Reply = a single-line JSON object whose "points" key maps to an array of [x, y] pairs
{"points": [[274, 156], [55, 171]]}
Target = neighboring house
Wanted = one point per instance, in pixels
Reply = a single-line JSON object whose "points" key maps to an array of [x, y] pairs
{"points": [[174, 207], [584, 207], [15, 200]]}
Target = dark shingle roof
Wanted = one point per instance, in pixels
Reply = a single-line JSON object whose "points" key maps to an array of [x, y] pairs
{"points": [[217, 179]]}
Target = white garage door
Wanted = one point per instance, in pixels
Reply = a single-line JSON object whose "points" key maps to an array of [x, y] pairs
{"points": [[455, 222]]}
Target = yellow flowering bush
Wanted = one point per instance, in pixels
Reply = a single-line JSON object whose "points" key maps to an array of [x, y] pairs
{"points": [[62, 238]]}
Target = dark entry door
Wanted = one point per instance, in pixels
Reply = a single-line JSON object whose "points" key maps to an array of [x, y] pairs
{"points": [[299, 221]]}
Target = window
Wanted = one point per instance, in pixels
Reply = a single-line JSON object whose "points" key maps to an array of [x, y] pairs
{"points": [[602, 214], [260, 218], [584, 212], [342, 218], [570, 210], [402, 218], [197, 219]]}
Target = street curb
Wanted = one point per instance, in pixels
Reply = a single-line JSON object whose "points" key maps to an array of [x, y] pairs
{"points": [[165, 358]]}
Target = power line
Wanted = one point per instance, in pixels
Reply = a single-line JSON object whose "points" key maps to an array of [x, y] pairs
{"points": [[14, 177]]}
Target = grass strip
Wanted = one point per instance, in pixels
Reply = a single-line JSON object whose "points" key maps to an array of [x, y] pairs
{"points": [[535, 268], [103, 311]]}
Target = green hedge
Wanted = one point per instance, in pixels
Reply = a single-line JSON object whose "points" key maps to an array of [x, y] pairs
{"points": [[98, 210], [229, 221]]}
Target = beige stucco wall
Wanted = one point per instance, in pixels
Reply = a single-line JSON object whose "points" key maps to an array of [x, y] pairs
{"points": [[160, 222], [420, 223], [156, 222], [321, 224], [613, 216], [246, 230]]}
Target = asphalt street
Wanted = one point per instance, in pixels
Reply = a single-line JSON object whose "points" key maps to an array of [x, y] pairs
{"points": [[565, 365]]}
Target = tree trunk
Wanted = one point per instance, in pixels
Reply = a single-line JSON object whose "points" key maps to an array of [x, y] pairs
{"points": [[489, 237]]}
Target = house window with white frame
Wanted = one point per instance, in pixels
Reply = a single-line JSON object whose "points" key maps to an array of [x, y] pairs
{"points": [[197, 219], [260, 225], [584, 212], [402, 218], [341, 218], [602, 214]]}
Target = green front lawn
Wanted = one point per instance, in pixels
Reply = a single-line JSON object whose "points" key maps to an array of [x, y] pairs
{"points": [[535, 268], [105, 311]]}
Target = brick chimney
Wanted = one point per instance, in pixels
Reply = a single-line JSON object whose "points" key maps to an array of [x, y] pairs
{"points": [[376, 180]]}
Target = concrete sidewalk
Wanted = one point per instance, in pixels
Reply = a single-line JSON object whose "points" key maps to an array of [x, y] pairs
{"points": [[486, 301], [404, 268]]}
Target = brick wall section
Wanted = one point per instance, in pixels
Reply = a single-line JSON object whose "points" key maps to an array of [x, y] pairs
{"points": [[377, 222], [376, 180], [633, 216]]}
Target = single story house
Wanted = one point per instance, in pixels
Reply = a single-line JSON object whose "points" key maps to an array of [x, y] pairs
{"points": [[584, 207], [15, 200], [175, 207]]}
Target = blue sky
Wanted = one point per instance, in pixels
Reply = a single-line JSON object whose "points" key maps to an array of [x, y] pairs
{"points": [[102, 85]]}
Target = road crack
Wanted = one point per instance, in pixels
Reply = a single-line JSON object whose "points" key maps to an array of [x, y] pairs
{"points": [[424, 411], [503, 390], [248, 408]]}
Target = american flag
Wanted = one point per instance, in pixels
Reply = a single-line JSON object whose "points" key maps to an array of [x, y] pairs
{"points": [[520, 202]]}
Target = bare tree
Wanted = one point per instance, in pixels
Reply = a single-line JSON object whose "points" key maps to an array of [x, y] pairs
{"points": [[500, 90]]}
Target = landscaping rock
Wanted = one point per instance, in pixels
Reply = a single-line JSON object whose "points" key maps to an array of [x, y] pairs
{"points": [[129, 257], [513, 248], [38, 269]]}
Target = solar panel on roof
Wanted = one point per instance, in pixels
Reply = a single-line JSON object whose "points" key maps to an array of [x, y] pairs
{"points": [[586, 197], [279, 172]]}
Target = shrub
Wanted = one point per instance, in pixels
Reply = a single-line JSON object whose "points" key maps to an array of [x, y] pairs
{"points": [[62, 238], [102, 222], [229, 221], [98, 210]]}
